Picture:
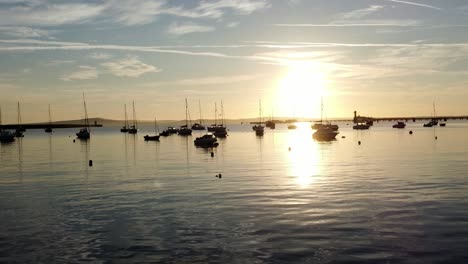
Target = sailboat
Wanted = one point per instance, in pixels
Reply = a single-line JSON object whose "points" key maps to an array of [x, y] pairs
{"points": [[325, 132], [433, 121], [49, 128], [124, 129], [19, 129], [5, 136], [258, 128], [85, 133], [220, 131], [321, 124], [199, 126], [270, 123], [133, 128], [185, 130], [212, 128], [156, 135]]}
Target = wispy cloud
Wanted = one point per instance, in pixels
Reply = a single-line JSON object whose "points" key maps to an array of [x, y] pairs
{"points": [[129, 67], [233, 24], [360, 13], [182, 29], [415, 4], [83, 73], [359, 23], [130, 13], [42, 13], [23, 32], [100, 56]]}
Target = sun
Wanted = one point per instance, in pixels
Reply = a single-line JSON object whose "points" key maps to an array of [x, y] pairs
{"points": [[301, 89]]}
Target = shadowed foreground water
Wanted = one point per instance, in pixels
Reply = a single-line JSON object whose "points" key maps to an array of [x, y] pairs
{"points": [[397, 198]]}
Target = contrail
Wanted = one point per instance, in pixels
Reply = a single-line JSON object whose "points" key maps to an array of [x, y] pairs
{"points": [[415, 4]]}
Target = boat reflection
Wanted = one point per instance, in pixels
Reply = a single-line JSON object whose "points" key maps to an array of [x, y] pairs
{"points": [[304, 160]]}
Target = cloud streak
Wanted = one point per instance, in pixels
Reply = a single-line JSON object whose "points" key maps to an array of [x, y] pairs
{"points": [[182, 29], [415, 4], [129, 67], [83, 73]]}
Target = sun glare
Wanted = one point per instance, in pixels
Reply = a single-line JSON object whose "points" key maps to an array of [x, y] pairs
{"points": [[300, 90], [304, 160]]}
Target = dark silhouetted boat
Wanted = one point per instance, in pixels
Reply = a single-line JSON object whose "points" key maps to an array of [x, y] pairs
{"points": [[169, 131], [199, 126], [361, 126], [206, 141], [19, 129], [258, 128], [399, 125], [124, 129], [325, 134], [433, 121], [49, 128], [85, 133], [156, 136], [185, 130], [134, 127], [5, 136], [320, 124], [442, 124], [292, 126]]}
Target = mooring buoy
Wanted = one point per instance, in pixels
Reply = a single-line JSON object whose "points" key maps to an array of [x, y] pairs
{"points": [[90, 163]]}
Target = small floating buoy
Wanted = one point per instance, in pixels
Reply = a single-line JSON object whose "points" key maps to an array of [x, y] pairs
{"points": [[436, 138], [343, 137], [289, 148], [73, 141], [359, 142], [90, 163], [411, 132], [220, 176], [212, 154]]}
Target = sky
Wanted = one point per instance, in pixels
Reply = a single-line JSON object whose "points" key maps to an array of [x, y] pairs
{"points": [[379, 57]]}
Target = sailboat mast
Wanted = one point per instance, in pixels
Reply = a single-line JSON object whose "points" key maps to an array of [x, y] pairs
{"points": [[50, 117], [19, 115], [126, 118], [134, 115], [260, 110], [216, 114], [321, 109], [86, 112], [186, 113], [199, 108], [222, 113]]}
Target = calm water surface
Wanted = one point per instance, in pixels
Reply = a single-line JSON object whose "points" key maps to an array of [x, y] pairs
{"points": [[396, 198]]}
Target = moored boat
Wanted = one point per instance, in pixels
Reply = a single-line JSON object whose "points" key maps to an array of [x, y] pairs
{"points": [[361, 126], [325, 134], [206, 141], [84, 133], [124, 129], [6, 136], [185, 130], [399, 125], [49, 128], [134, 127], [156, 133], [258, 128]]}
